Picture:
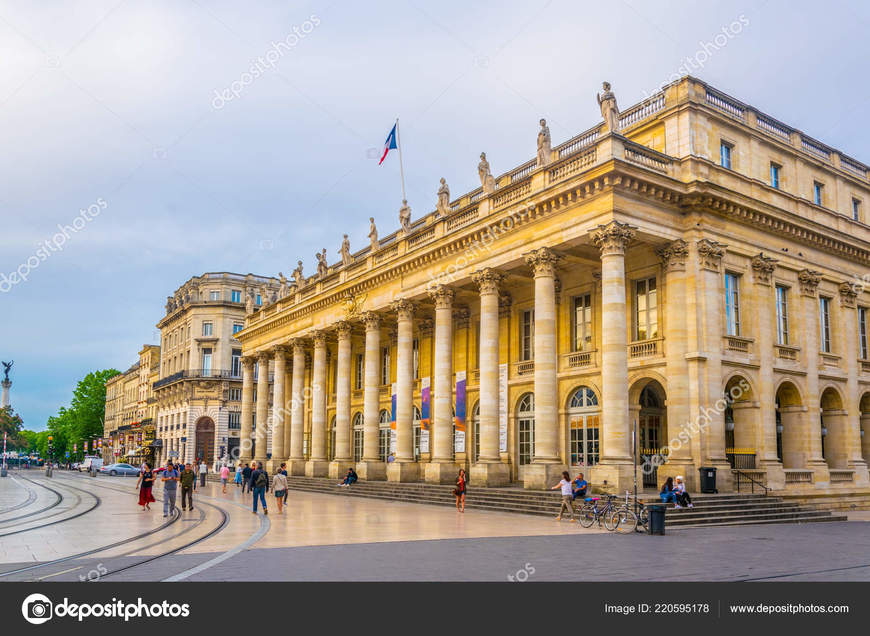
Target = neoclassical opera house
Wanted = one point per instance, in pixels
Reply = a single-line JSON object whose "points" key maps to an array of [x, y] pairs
{"points": [[690, 267]]}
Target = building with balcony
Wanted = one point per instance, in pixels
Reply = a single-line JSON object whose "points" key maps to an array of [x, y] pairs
{"points": [[121, 422], [689, 270], [197, 396]]}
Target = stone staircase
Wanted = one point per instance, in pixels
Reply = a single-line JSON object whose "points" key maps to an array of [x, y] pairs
{"points": [[709, 510]]}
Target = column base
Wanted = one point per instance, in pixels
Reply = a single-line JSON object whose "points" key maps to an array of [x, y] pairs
{"points": [[372, 471], [724, 477], [775, 475], [441, 472], [296, 467], [488, 474], [317, 468], [403, 471], [862, 476], [614, 478], [273, 465], [338, 468], [821, 475], [541, 476]]}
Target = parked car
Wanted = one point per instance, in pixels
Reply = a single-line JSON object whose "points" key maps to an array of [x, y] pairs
{"points": [[119, 469], [89, 461]]}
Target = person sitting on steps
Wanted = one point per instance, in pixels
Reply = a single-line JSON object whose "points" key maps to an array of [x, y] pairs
{"points": [[681, 495], [667, 493]]}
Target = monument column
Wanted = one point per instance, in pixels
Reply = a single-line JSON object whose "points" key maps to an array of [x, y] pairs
{"points": [[617, 464], [371, 467], [278, 410], [405, 468], [261, 425], [343, 457], [442, 469], [317, 465], [296, 461], [247, 410]]}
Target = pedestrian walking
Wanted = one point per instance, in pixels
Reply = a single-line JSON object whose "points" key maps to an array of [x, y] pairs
{"points": [[461, 488], [283, 471], [188, 483], [279, 488], [203, 471], [246, 478], [259, 486], [225, 475], [170, 488], [145, 484], [567, 495], [238, 478]]}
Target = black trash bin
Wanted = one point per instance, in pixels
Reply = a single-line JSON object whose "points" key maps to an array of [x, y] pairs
{"points": [[708, 479], [656, 523]]}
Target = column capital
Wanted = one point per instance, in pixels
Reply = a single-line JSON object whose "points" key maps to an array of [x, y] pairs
{"points": [[248, 362], [763, 268], [673, 255], [371, 320], [542, 261], [404, 308], [710, 254], [297, 345], [263, 356], [319, 338], [613, 238], [809, 280], [343, 329], [849, 294], [443, 296], [488, 279]]}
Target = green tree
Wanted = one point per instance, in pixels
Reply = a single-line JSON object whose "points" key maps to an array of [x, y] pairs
{"points": [[11, 424]]}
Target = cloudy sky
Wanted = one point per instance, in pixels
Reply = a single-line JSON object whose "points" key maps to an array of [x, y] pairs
{"points": [[152, 111]]}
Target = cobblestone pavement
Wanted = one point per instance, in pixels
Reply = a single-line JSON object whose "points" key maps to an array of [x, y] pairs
{"points": [[326, 538]]}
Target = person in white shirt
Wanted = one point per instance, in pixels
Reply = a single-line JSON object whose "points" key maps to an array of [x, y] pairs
{"points": [[567, 495], [682, 497], [203, 471]]}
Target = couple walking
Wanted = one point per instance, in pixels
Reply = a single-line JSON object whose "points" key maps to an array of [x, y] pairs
{"points": [[259, 484]]}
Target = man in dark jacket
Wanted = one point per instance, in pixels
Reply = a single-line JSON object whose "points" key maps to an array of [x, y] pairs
{"points": [[246, 478], [188, 480], [260, 484]]}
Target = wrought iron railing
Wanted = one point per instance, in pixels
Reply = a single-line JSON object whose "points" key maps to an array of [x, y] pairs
{"points": [[744, 479]]}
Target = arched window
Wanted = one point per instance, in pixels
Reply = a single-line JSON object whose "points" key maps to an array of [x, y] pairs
{"points": [[357, 437], [475, 426], [384, 434], [526, 429], [418, 418], [584, 418]]}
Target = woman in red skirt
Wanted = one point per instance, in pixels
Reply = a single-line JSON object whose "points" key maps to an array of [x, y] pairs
{"points": [[146, 481]]}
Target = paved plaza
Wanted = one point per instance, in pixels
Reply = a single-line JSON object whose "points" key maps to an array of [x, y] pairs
{"points": [[73, 527]]}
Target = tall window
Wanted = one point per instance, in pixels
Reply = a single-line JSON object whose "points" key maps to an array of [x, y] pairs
{"points": [[818, 193], [259, 300], [825, 324], [527, 335], [236, 296], [526, 429], [235, 420], [214, 295], [862, 331], [235, 395], [357, 437], [206, 361], [415, 350], [385, 365], [774, 174], [856, 209], [207, 328], [781, 315], [583, 322], [584, 415], [360, 372], [384, 435], [237, 327], [725, 154], [236, 363], [646, 310], [732, 304]]}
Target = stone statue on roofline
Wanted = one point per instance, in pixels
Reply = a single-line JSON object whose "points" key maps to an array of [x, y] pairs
{"points": [[322, 264], [609, 109], [284, 288], [298, 276], [373, 234], [405, 216], [544, 144], [443, 205], [346, 258], [249, 303], [487, 181]]}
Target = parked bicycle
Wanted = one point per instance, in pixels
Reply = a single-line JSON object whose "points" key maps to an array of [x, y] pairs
{"points": [[629, 517], [594, 510]]}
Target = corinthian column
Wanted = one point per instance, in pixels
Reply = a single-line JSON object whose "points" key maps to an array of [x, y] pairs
{"points": [[371, 467], [247, 409], [850, 433], [278, 410], [343, 457], [262, 423], [317, 465], [616, 461], [547, 461], [296, 461], [812, 443], [405, 467], [442, 469]]}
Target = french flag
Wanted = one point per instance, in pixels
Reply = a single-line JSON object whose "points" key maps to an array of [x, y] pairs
{"points": [[389, 144]]}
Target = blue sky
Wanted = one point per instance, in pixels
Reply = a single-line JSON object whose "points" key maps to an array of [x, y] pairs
{"points": [[115, 101]]}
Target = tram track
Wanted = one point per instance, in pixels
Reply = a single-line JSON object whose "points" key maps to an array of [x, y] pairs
{"points": [[96, 504], [31, 497], [56, 502]]}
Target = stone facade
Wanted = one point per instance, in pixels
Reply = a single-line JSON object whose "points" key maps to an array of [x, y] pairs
{"points": [[692, 268]]}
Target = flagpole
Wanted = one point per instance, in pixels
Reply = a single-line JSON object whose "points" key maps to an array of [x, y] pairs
{"points": [[401, 164]]}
